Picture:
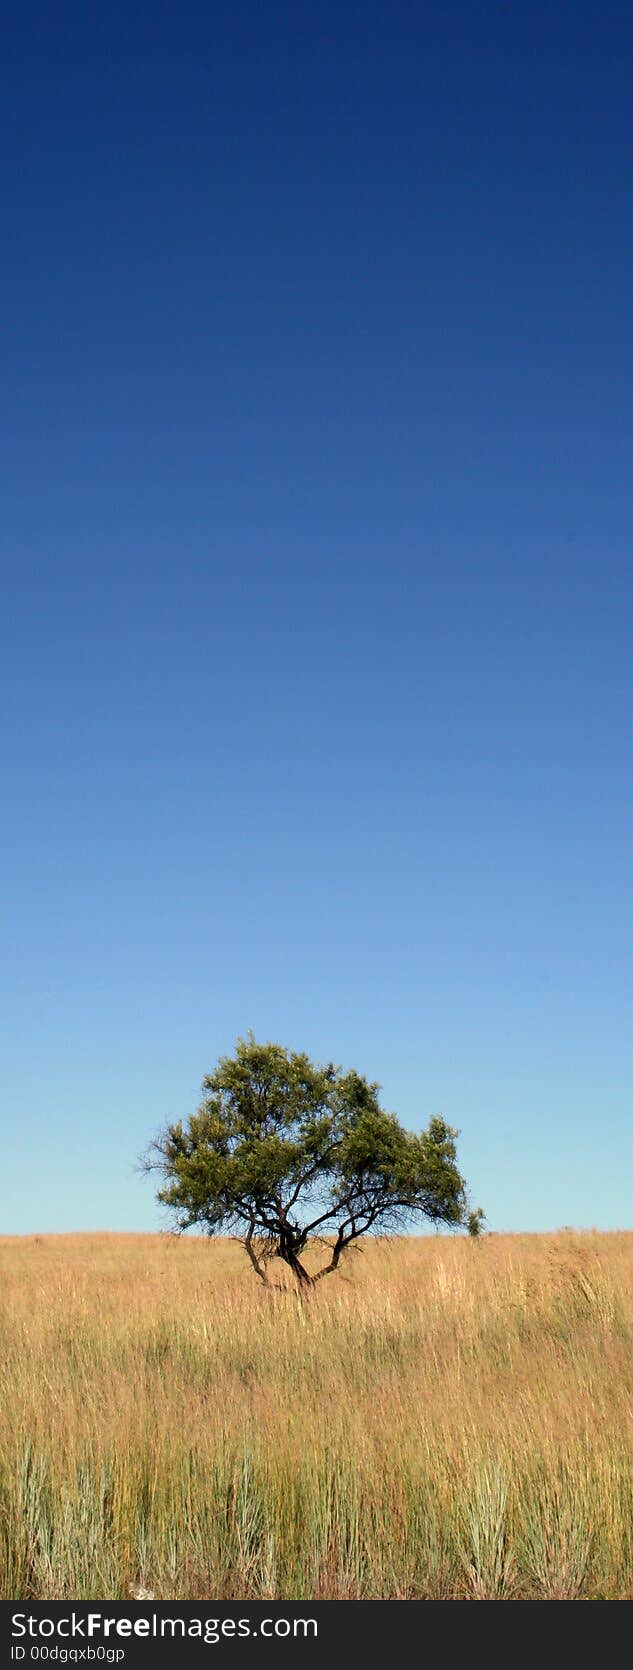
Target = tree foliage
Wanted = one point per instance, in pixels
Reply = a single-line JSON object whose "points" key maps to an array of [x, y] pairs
{"points": [[282, 1151]]}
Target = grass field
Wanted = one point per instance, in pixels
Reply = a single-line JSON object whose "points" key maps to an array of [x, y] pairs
{"points": [[444, 1418]]}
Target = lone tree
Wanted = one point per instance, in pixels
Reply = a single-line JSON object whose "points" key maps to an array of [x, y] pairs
{"points": [[282, 1151]]}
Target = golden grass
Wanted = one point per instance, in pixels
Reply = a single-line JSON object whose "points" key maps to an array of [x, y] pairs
{"points": [[444, 1418]]}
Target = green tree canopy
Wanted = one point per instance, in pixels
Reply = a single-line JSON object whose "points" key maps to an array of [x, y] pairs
{"points": [[283, 1150]]}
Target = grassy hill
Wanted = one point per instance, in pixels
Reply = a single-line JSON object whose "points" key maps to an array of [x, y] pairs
{"points": [[444, 1418]]}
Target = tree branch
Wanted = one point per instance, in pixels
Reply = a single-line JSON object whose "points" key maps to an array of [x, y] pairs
{"points": [[258, 1267]]}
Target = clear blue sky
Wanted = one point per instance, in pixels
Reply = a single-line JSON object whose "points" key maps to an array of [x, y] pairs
{"points": [[317, 585]]}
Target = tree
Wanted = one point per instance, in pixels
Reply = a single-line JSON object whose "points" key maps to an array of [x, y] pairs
{"points": [[282, 1151]]}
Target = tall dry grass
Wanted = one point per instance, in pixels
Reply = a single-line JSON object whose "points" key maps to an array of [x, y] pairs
{"points": [[443, 1419]]}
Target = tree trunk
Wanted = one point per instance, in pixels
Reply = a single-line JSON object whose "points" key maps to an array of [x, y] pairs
{"points": [[288, 1252]]}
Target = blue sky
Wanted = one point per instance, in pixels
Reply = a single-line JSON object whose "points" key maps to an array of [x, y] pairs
{"points": [[317, 594]]}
